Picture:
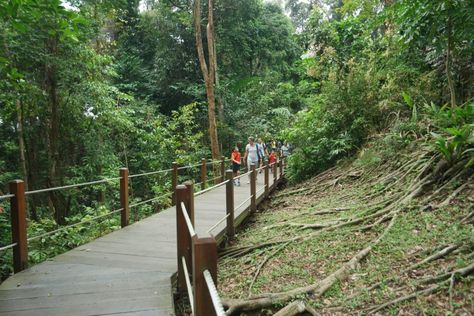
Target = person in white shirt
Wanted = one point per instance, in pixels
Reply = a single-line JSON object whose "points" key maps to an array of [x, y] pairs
{"points": [[251, 154]]}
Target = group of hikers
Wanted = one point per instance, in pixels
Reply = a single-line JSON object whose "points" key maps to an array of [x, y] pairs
{"points": [[256, 153]]}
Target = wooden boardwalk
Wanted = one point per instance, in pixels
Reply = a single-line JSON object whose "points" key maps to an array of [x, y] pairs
{"points": [[127, 272]]}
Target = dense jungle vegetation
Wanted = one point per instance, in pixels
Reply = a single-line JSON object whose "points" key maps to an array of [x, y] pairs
{"points": [[90, 86]]}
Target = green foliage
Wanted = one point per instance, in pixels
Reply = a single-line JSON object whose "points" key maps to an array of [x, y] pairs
{"points": [[454, 137]]}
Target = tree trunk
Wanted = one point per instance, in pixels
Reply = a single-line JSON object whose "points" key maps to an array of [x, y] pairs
{"points": [[22, 150], [208, 72], [51, 86], [452, 92]]}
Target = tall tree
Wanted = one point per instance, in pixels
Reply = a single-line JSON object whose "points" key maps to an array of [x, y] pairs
{"points": [[208, 72]]}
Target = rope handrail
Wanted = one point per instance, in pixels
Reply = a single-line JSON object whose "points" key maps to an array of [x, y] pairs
{"points": [[6, 196], [242, 175], [240, 205], [260, 190], [149, 173], [72, 225], [214, 179], [150, 200], [188, 283], [70, 186], [216, 301], [217, 224], [211, 188], [189, 166], [8, 246], [191, 231]]}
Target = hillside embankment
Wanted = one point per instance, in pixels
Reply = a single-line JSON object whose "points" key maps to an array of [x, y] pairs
{"points": [[368, 236]]}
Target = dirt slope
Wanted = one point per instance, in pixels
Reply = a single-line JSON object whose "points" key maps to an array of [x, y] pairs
{"points": [[389, 237]]}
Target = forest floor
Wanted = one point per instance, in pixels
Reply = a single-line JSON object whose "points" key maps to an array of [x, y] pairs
{"points": [[394, 237]]}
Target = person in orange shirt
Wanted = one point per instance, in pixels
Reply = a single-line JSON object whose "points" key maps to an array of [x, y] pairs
{"points": [[272, 159], [235, 157]]}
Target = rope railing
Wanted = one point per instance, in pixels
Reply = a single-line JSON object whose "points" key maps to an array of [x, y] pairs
{"points": [[241, 204], [70, 186], [72, 225], [217, 224], [242, 175], [149, 173], [261, 189], [216, 300], [189, 224], [6, 196], [8, 246], [150, 200], [188, 284], [189, 166], [211, 188], [214, 179]]}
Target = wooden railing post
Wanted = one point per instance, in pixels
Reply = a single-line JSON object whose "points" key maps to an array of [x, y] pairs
{"points": [[203, 174], [274, 174], [222, 169], [266, 182], [204, 258], [183, 240], [190, 203], [253, 189], [125, 214], [282, 161], [277, 168], [18, 221], [229, 202], [174, 181]]}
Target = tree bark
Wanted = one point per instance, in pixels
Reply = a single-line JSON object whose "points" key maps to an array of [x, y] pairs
{"points": [[208, 72], [452, 91]]}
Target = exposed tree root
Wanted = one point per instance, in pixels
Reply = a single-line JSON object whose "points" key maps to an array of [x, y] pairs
{"points": [[295, 308], [440, 254], [445, 278], [280, 248], [316, 289], [454, 194]]}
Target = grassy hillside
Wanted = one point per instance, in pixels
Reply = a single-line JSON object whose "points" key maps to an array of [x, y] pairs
{"points": [[385, 233]]}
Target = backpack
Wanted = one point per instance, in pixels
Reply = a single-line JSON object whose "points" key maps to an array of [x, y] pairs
{"points": [[258, 151]]}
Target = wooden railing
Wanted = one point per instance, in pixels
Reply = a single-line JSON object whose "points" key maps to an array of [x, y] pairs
{"points": [[18, 204], [197, 255]]}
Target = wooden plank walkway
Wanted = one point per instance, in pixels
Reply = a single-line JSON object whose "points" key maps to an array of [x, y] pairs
{"points": [[127, 272]]}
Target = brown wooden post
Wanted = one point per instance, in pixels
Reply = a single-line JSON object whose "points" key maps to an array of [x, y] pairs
{"points": [[204, 258], [282, 161], [183, 240], [222, 169], [274, 174], [125, 214], [277, 168], [253, 189], [203, 173], [18, 221], [266, 182], [229, 202], [174, 180], [190, 202]]}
